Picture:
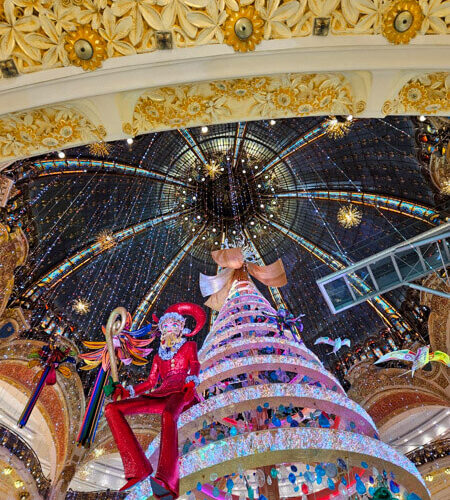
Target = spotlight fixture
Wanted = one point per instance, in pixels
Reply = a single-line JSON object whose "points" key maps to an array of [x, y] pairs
{"points": [[130, 140], [349, 118], [272, 122], [61, 154], [204, 129], [8, 68], [163, 40], [422, 118]]}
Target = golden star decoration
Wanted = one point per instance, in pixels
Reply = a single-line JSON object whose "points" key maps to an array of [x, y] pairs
{"points": [[99, 149], [105, 238], [81, 306], [212, 169], [245, 16], [85, 48], [401, 21], [349, 216], [336, 129]]}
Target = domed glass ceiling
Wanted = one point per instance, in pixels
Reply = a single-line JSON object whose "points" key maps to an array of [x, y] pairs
{"points": [[134, 224]]}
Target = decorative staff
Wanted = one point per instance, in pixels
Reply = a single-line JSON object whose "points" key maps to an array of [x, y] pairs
{"points": [[119, 343], [51, 358]]}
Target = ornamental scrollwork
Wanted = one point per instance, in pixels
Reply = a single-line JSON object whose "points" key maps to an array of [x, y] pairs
{"points": [[39, 34]]}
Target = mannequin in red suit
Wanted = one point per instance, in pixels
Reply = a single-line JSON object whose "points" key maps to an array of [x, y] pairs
{"points": [[177, 365]]}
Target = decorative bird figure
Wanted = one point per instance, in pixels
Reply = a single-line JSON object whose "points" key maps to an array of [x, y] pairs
{"points": [[337, 344], [418, 359]]}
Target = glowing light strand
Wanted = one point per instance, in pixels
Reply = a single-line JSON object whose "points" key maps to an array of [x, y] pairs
{"points": [[384, 307], [69, 265], [148, 301], [382, 202]]}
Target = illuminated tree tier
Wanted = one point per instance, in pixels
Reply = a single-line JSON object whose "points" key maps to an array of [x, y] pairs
{"points": [[273, 423]]}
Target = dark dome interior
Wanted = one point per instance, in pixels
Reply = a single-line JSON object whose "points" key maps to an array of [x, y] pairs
{"points": [[184, 192]]}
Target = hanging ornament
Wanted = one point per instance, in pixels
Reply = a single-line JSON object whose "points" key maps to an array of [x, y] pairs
{"points": [[419, 359], [349, 216], [81, 306], [99, 149], [286, 320], [337, 128], [105, 238]]}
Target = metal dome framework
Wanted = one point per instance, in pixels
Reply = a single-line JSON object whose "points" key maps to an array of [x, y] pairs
{"points": [[162, 231]]}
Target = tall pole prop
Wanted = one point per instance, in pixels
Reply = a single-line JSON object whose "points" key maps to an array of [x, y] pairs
{"points": [[114, 326]]}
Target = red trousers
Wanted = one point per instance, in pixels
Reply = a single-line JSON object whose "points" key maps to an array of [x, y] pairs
{"points": [[135, 463]]}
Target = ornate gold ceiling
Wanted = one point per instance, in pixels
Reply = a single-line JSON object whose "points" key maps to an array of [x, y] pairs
{"points": [[43, 34]]}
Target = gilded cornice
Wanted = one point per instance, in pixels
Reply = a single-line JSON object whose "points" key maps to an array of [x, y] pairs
{"points": [[39, 34]]}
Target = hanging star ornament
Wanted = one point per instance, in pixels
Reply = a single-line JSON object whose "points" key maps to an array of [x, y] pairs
{"points": [[81, 306], [336, 129], [349, 216], [105, 238], [212, 169], [418, 359], [99, 149]]}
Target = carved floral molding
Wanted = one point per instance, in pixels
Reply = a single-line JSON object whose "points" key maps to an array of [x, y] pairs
{"points": [[427, 93], [45, 129], [39, 34], [256, 98]]}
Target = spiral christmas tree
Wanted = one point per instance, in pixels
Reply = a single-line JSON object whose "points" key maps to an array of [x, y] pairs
{"points": [[273, 423]]}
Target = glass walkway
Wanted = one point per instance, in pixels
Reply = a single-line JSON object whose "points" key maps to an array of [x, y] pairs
{"points": [[397, 266]]}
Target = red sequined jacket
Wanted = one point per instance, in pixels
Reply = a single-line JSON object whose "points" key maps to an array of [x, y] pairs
{"points": [[173, 372]]}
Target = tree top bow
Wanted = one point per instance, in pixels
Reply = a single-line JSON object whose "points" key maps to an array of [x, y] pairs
{"points": [[235, 265]]}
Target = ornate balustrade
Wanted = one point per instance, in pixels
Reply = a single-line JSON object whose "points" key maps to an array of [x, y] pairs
{"points": [[95, 495], [430, 452], [23, 452]]}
